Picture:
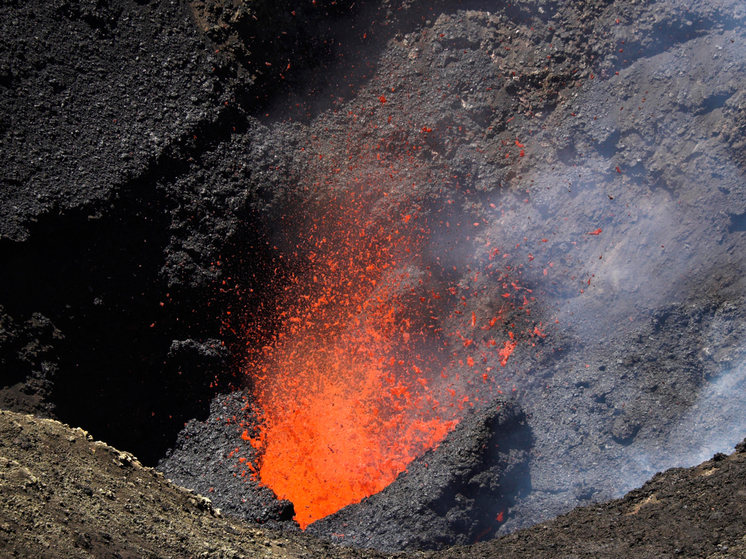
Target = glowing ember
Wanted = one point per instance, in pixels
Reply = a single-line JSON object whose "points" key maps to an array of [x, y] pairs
{"points": [[345, 394], [359, 378]]}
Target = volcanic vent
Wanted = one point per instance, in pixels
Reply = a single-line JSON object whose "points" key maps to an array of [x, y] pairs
{"points": [[357, 382], [364, 356], [454, 230], [534, 204]]}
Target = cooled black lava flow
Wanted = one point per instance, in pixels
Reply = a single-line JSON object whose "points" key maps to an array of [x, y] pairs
{"points": [[138, 358]]}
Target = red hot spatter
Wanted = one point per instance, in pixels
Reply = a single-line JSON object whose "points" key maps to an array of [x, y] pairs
{"points": [[348, 396], [346, 399]]}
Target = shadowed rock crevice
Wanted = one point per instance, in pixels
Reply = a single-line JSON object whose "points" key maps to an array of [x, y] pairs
{"points": [[129, 352]]}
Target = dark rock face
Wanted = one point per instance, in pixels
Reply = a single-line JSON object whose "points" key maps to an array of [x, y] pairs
{"points": [[104, 107], [212, 458], [92, 94], [29, 363], [458, 493]]}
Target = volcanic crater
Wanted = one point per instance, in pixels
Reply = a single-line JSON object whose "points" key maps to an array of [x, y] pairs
{"points": [[399, 277]]}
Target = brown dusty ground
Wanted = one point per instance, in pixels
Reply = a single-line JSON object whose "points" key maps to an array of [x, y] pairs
{"points": [[63, 494]]}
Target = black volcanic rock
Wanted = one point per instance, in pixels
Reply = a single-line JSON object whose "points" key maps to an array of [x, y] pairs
{"points": [[91, 93], [455, 494], [213, 459]]}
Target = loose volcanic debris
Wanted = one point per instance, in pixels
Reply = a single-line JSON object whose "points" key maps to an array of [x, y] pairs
{"points": [[215, 458], [92, 96], [461, 491], [63, 495]]}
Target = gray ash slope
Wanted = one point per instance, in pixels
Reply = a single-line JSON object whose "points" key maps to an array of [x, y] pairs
{"points": [[114, 233]]}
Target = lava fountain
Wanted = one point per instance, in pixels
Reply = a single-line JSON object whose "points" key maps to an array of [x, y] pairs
{"points": [[346, 384], [374, 343], [372, 357]]}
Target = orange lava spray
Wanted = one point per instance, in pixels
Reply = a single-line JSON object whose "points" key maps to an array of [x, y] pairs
{"points": [[346, 399]]}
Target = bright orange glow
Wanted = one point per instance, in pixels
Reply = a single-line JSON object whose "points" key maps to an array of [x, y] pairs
{"points": [[369, 352], [346, 398], [506, 351]]}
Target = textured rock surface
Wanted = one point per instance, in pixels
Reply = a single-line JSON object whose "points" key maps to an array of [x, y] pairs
{"points": [[64, 495], [212, 458], [447, 496]]}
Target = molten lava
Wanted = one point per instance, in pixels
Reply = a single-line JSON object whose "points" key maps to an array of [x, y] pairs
{"points": [[345, 393], [357, 374]]}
